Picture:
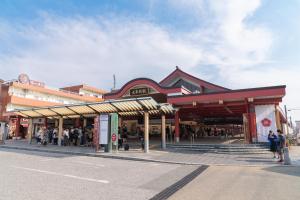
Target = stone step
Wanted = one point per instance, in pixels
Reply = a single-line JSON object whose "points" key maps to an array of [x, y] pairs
{"points": [[221, 148], [215, 146], [223, 152]]}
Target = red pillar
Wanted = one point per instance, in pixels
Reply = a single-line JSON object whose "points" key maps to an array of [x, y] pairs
{"points": [[252, 126], [177, 129], [252, 122], [96, 133]]}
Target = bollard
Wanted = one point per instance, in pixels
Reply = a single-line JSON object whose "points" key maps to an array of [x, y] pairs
{"points": [[287, 159]]}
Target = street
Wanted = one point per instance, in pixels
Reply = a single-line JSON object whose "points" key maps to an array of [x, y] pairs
{"points": [[32, 175], [29, 175], [243, 183]]}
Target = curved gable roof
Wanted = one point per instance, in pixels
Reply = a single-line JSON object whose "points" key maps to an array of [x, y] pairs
{"points": [[179, 73], [141, 81]]}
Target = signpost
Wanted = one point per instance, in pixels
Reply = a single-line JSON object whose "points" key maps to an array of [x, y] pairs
{"points": [[113, 137], [109, 131], [114, 122]]}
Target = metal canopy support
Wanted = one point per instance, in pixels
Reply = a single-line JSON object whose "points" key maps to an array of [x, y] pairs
{"points": [[93, 109], [163, 132], [39, 113], [115, 107], [68, 107], [126, 106], [23, 113], [146, 132], [55, 112]]}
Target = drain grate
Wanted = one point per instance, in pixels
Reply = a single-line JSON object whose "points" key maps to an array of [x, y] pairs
{"points": [[166, 193]]}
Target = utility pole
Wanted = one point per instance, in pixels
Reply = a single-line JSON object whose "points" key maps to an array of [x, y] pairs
{"points": [[114, 87], [287, 120]]}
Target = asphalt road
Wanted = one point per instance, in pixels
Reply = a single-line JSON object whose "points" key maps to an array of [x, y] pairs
{"points": [[35, 175], [243, 183]]}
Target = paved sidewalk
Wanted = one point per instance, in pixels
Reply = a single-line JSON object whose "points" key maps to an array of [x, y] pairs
{"points": [[168, 156]]}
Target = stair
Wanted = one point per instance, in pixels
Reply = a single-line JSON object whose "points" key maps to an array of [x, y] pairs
{"points": [[223, 148]]}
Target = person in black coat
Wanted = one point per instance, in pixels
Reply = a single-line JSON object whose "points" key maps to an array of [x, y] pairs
{"points": [[273, 142]]}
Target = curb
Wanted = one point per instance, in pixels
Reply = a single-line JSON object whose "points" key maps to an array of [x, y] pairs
{"points": [[97, 155], [133, 158]]}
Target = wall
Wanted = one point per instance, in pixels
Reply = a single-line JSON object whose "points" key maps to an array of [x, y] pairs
{"points": [[265, 112]]}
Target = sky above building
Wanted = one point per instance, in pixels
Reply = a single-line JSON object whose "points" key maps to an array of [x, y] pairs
{"points": [[233, 43]]}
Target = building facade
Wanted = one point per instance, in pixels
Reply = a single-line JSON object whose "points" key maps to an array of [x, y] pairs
{"points": [[206, 110], [24, 93]]}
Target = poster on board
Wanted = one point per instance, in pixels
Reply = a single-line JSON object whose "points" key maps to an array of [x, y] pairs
{"points": [[265, 121], [104, 119]]}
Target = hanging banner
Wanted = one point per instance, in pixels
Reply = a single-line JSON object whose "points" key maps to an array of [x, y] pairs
{"points": [[103, 129], [114, 128], [265, 121]]}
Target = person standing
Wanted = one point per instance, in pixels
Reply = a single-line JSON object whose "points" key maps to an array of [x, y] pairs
{"points": [[281, 144], [75, 136], [66, 137], [273, 142], [80, 136], [55, 137]]}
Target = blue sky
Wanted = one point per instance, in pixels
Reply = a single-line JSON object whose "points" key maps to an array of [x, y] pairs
{"points": [[234, 43]]}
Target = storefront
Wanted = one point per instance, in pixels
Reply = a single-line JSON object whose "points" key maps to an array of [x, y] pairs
{"points": [[205, 110]]}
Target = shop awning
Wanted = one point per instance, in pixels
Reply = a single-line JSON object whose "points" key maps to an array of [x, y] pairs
{"points": [[124, 107]]}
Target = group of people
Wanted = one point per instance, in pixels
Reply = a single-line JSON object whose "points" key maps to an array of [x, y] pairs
{"points": [[77, 136], [277, 144], [70, 136], [200, 132]]}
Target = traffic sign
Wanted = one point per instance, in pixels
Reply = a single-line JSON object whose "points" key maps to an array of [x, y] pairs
{"points": [[113, 137]]}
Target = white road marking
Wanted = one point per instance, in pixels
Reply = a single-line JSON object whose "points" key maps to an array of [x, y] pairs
{"points": [[46, 160], [88, 163], [65, 175]]}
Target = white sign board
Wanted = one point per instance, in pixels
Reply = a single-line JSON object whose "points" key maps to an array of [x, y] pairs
{"points": [[2, 131], [103, 129], [265, 121]]}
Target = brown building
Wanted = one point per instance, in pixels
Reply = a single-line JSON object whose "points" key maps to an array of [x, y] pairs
{"points": [[24, 93]]}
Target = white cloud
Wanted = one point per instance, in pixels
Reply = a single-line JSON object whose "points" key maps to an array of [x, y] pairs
{"points": [[64, 51], [68, 51]]}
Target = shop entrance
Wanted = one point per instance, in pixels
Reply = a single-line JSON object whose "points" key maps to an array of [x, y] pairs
{"points": [[218, 130]]}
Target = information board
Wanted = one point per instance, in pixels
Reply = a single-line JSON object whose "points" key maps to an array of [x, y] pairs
{"points": [[104, 129]]}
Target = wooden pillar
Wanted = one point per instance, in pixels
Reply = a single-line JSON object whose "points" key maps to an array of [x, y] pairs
{"points": [[60, 130], [177, 129], [30, 130], [163, 132], [84, 122], [146, 132], [55, 123]]}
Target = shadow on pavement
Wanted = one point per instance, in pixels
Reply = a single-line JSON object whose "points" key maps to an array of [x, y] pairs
{"points": [[38, 153], [291, 170]]}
